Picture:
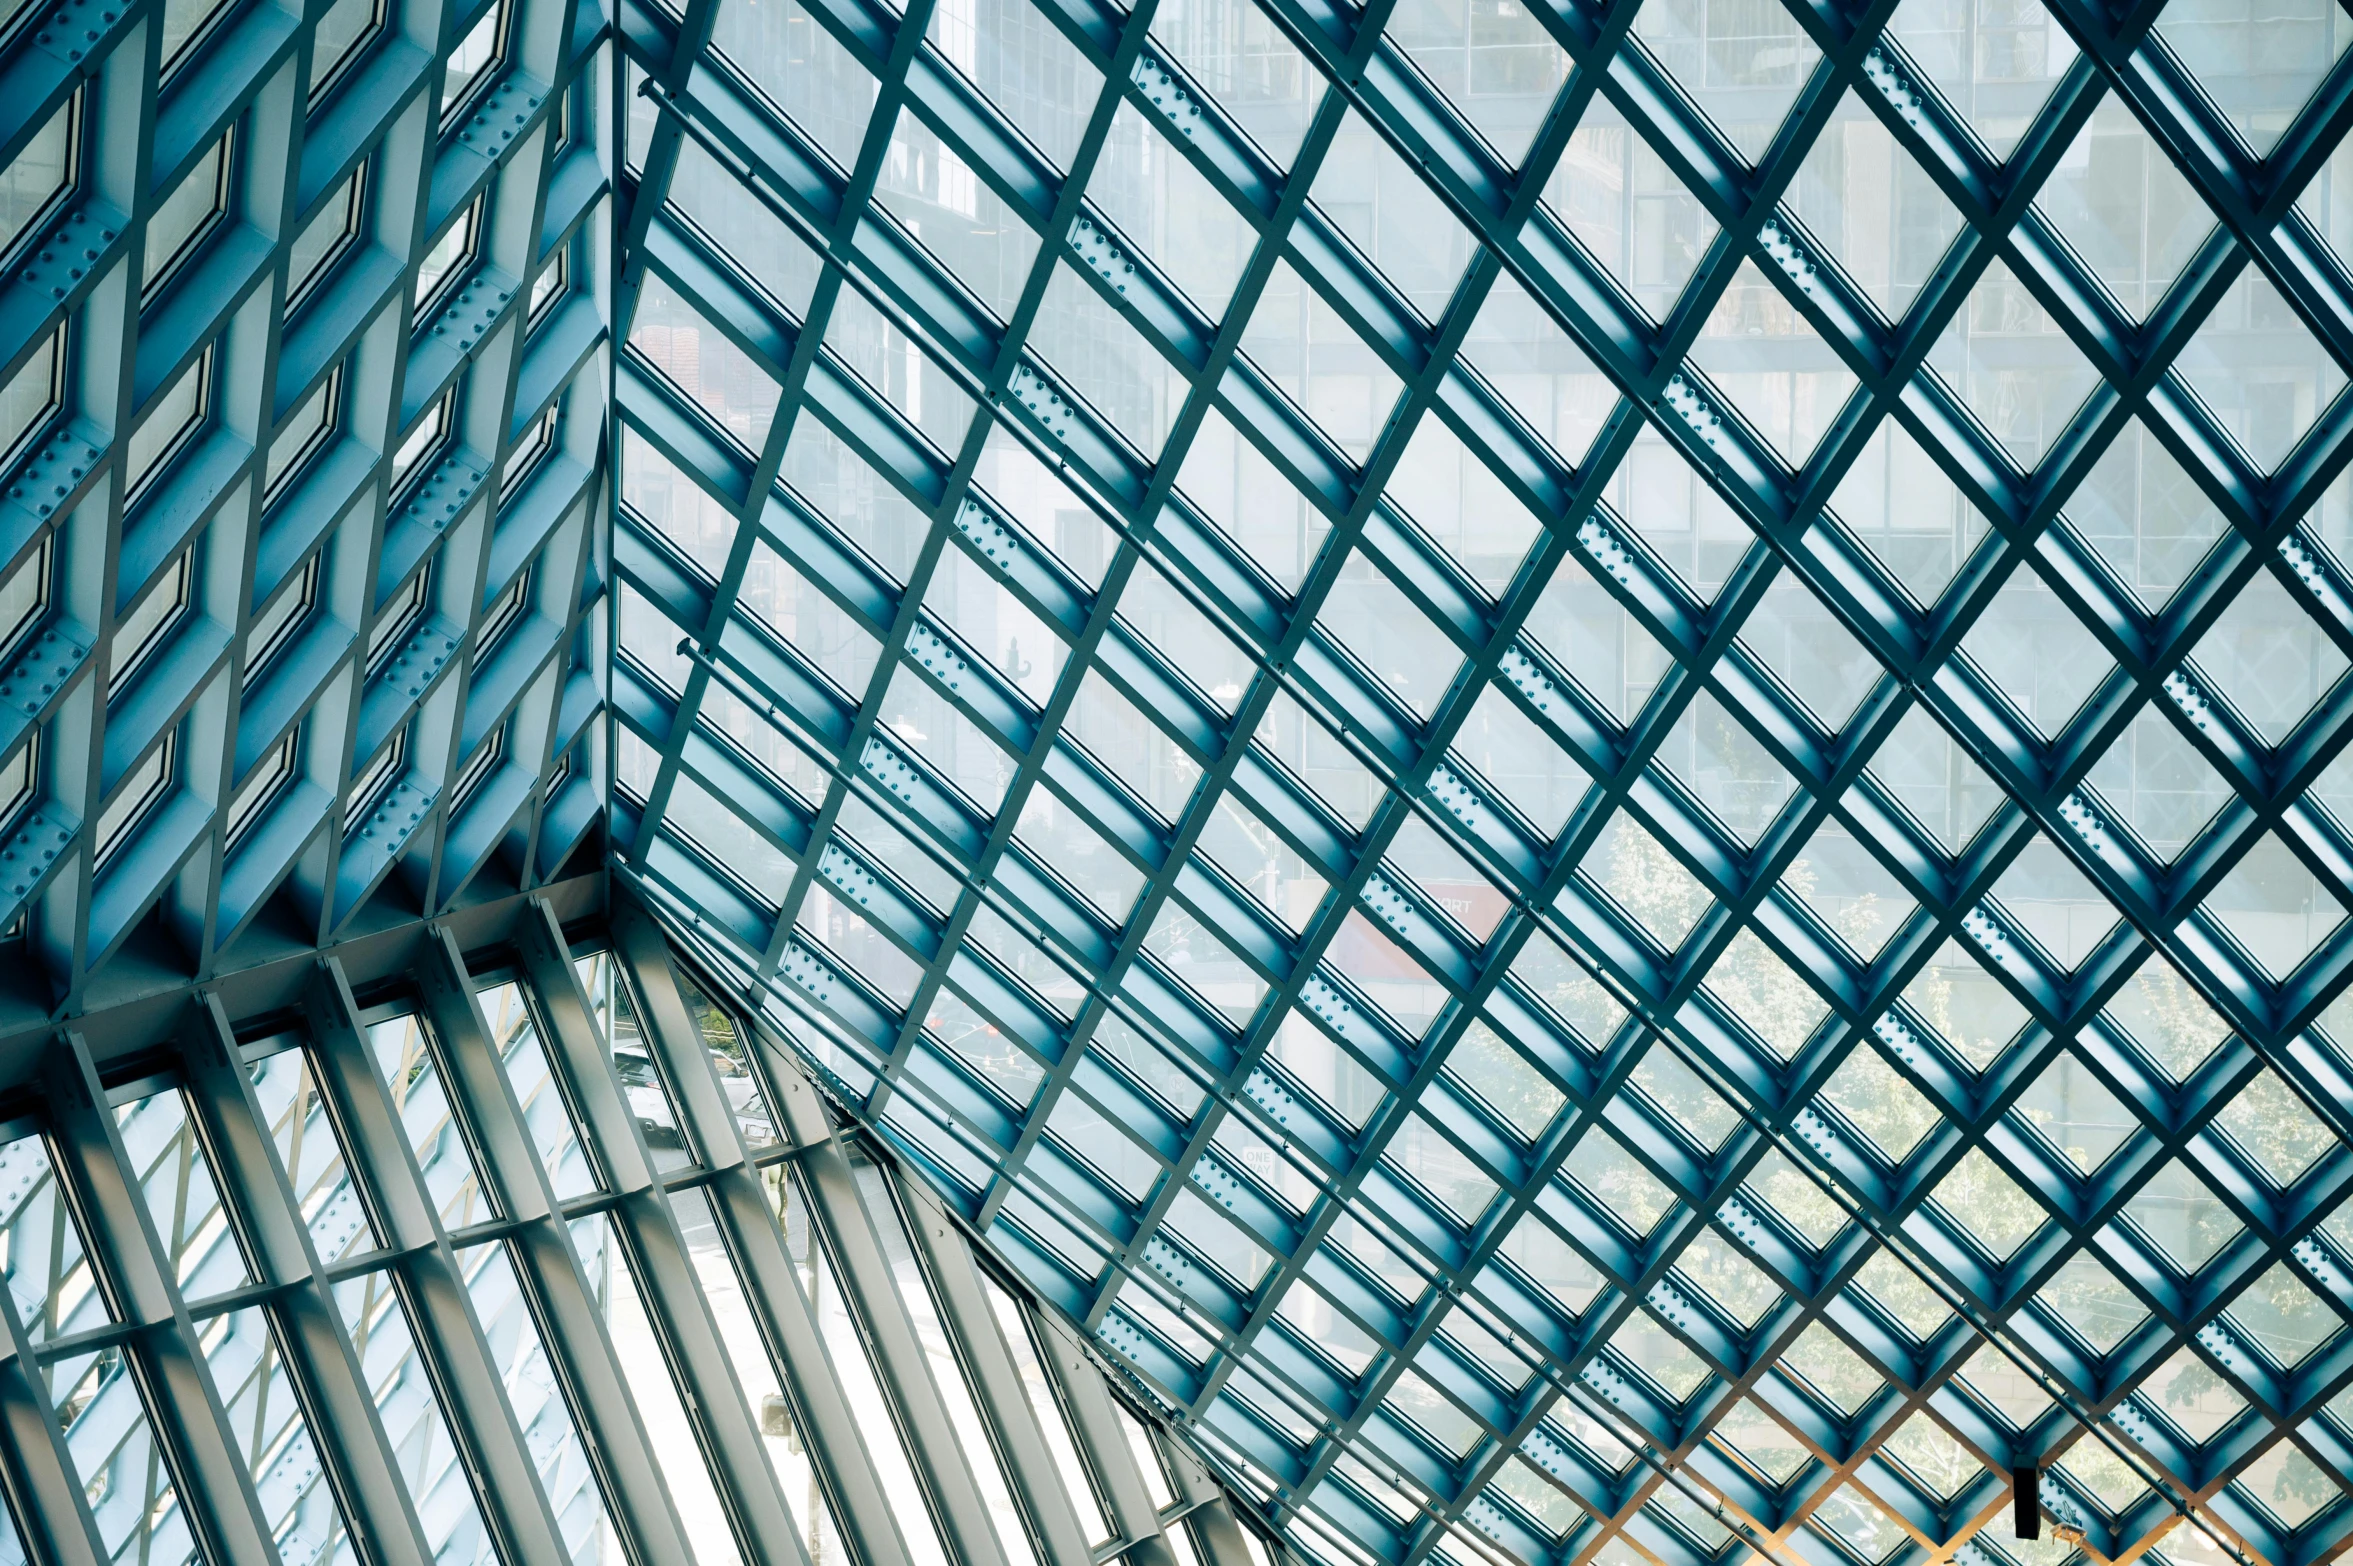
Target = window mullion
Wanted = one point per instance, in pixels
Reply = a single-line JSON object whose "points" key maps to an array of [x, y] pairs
{"points": [[1001, 1399], [674, 1295], [1094, 1420], [214, 1488], [343, 1419], [740, 1206], [899, 1362], [546, 1265], [465, 1371]]}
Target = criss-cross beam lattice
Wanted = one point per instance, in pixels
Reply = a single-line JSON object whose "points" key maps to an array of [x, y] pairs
{"points": [[785, 170]]}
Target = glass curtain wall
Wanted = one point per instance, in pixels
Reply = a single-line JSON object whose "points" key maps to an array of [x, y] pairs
{"points": [[546, 1252], [1585, 761]]}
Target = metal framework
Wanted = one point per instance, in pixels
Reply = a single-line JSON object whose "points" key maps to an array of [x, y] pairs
{"points": [[1583, 760], [537, 1255], [1479, 779], [302, 339]]}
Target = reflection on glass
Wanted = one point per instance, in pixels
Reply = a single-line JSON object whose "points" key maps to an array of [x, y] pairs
{"points": [[405, 1061], [410, 1408]]}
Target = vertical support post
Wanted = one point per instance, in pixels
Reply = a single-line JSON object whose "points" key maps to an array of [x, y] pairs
{"points": [[674, 1297], [899, 1363], [572, 1323], [772, 1287], [128, 1257], [441, 1313], [1094, 1418], [1004, 1402], [362, 1468], [1215, 1528], [52, 1512]]}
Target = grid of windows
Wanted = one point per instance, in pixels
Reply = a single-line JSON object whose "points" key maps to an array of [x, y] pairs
{"points": [[251, 509], [1586, 760]]}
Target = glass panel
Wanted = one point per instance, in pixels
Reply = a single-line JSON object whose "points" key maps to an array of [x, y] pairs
{"points": [[183, 22], [408, 1405], [337, 38], [405, 1061], [642, 1081], [276, 1446], [781, 1435], [472, 59], [708, 366], [31, 395], [50, 1281], [288, 1093], [182, 219], [940, 1352], [801, 67], [647, 1371], [724, 1043], [553, 1136], [31, 185], [845, 1346], [325, 237], [447, 258], [179, 409], [176, 1178], [535, 1394], [118, 1459]]}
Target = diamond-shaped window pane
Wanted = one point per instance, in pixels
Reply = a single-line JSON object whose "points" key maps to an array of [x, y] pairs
{"points": [[1527, 356], [2012, 366], [2118, 200], [2275, 1128], [2156, 780], [1908, 513], [2054, 902], [1621, 201], [2034, 651], [2280, 1312], [1392, 215], [2145, 516], [2076, 1113], [1873, 207], [2259, 369], [2269, 658], [1743, 64], [2165, 1015], [2259, 65], [1727, 768], [1964, 1005], [1850, 889], [2274, 906], [1772, 365], [1311, 353]]}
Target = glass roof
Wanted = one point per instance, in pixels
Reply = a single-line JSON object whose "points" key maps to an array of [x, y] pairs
{"points": [[1584, 761]]}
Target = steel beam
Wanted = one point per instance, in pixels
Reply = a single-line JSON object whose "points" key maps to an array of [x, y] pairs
{"points": [[339, 1410], [730, 1441], [432, 1288], [572, 1321], [831, 1430]]}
